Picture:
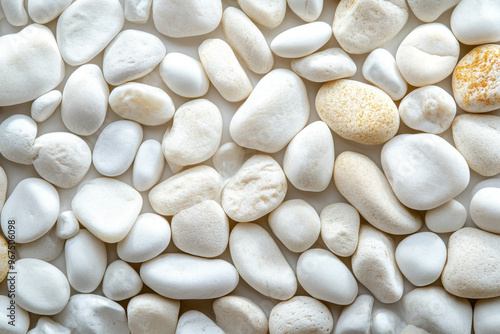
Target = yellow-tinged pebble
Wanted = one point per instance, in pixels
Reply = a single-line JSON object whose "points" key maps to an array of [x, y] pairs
{"points": [[4, 259]]}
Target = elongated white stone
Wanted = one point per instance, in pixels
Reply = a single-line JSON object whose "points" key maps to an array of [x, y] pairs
{"points": [[301, 41], [148, 165], [44, 106], [42, 11]]}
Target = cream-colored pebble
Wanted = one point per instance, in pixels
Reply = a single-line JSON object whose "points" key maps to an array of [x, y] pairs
{"points": [[239, 315], [326, 65], [269, 13], [150, 313], [340, 228]]}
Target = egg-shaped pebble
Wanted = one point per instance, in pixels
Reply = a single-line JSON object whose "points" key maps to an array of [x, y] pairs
{"points": [[107, 207], [273, 114], [14, 12], [428, 54], [235, 314], [340, 228], [43, 12], [196, 322], [307, 10], [228, 158], [356, 318], [362, 26], [177, 276], [307, 315], [153, 314], [424, 170], [148, 165], [485, 319], [268, 13], [446, 218], [386, 321], [184, 75], [121, 281], [46, 325], [484, 209], [46, 248], [480, 28], [185, 189], [256, 189], [32, 208], [85, 100], [17, 136], [67, 226], [44, 106], [137, 11], [302, 40], [326, 65], [260, 262], [430, 10], [12, 312]]}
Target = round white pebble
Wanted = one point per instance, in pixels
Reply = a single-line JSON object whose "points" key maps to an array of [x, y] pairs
{"points": [[121, 281], [485, 209], [17, 136], [446, 218]]}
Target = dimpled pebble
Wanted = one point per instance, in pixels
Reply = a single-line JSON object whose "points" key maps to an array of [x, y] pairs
{"points": [[21, 316], [307, 10], [340, 228], [446, 218], [44, 106], [152, 314], [239, 315], [121, 281], [268, 13], [357, 111], [17, 136], [480, 28], [148, 165], [42, 11], [485, 209], [302, 40]]}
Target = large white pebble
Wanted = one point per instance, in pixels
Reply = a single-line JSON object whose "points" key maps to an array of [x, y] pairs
{"points": [[184, 190], [186, 18], [260, 262], [21, 317], [85, 261], [228, 159], [430, 10], [41, 288], [184, 75], [380, 69], [67, 226], [121, 281], [307, 10], [428, 54], [301, 314], [26, 75], [480, 28], [43, 11], [224, 70], [273, 114], [256, 189], [85, 100], [485, 209], [268, 13], [235, 314], [17, 136], [107, 207], [86, 27], [137, 11], [116, 147], [33, 206], [44, 106], [302, 40], [421, 257], [196, 322], [45, 325], [355, 318], [148, 165], [326, 65], [424, 170], [14, 12], [296, 224], [152, 314], [46, 248], [309, 158], [324, 276], [446, 218], [340, 228], [100, 315], [178, 276], [486, 320]]}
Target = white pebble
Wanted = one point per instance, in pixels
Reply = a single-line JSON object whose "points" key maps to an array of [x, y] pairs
{"points": [[196, 322], [268, 13], [42, 11], [228, 159], [326, 65], [67, 226], [480, 28], [307, 10], [430, 10], [384, 321], [21, 317], [17, 136], [14, 12], [137, 11], [46, 248], [340, 228], [44, 106], [116, 147], [446, 218], [302, 40], [152, 314], [148, 165], [121, 281], [184, 75], [3, 187], [485, 209], [235, 314], [46, 325], [486, 320], [355, 318]]}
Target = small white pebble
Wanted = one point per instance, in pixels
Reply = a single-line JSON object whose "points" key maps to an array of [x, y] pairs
{"points": [[67, 226], [148, 165], [17, 136], [380, 69], [268, 13], [340, 228], [326, 65], [307, 10], [121, 281], [446, 218], [302, 40], [42, 11], [485, 209], [137, 11], [14, 12], [46, 325], [44, 106]]}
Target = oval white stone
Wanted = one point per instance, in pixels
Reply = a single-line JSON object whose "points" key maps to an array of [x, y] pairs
{"points": [[340, 228], [480, 28], [148, 165], [301, 41], [485, 209], [196, 322], [44, 106], [17, 136], [446, 218], [235, 314], [307, 10], [42, 11], [121, 281], [269, 13], [326, 65], [380, 69], [150, 313], [22, 318]]}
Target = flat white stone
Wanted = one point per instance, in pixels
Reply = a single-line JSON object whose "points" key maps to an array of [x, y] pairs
{"points": [[356, 317], [268, 13], [85, 100], [235, 314], [116, 147], [34, 206], [21, 317], [260, 262], [153, 314], [386, 321], [137, 11], [307, 10], [340, 228], [302, 40], [46, 248], [446, 218], [485, 319], [480, 28], [484, 209], [430, 10], [228, 159], [14, 12], [17, 136], [26, 75], [121, 281], [380, 69], [326, 65], [67, 226], [44, 106], [177, 276], [196, 322], [148, 165], [86, 27], [148, 238], [42, 11], [46, 325], [273, 114]]}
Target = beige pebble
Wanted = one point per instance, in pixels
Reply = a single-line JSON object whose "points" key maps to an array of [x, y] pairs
{"points": [[269, 13], [4, 259], [152, 314], [239, 315], [340, 228]]}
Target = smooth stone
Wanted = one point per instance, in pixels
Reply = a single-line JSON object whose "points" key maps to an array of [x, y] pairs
{"points": [[268, 13], [34, 206], [273, 114], [47, 326], [480, 28], [296, 224], [4, 257], [131, 55], [137, 11], [364, 185], [22, 317], [355, 318], [424, 170], [86, 260], [148, 165], [357, 111], [446, 218], [429, 109], [195, 134], [476, 138], [430, 10], [152, 314], [247, 40], [485, 316], [484, 209], [410, 329], [473, 266], [186, 18], [17, 136], [121, 281], [44, 106], [374, 265], [184, 75], [85, 100], [235, 314], [67, 226], [201, 230], [260, 262], [62, 158], [46, 248], [93, 314], [3, 187], [14, 12], [185, 189], [228, 159], [309, 158], [148, 238], [196, 322], [362, 26], [86, 27], [340, 228], [177, 276], [307, 10], [380, 69], [224, 70], [325, 277], [385, 321], [428, 54], [305, 313], [116, 147], [301, 41], [41, 288], [326, 65], [142, 103], [436, 311], [43, 11], [256, 189]]}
